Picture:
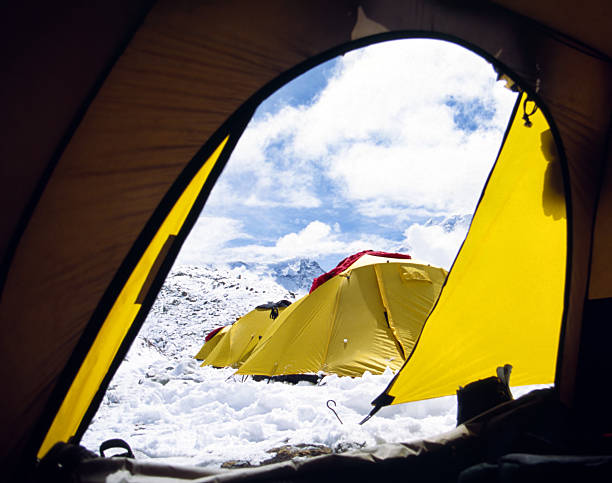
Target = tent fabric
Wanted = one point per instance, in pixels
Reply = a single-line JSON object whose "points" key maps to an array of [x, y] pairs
{"points": [[239, 340], [211, 343], [120, 318], [96, 155], [212, 333], [39, 43], [600, 280], [579, 23], [517, 323], [366, 318], [347, 262]]}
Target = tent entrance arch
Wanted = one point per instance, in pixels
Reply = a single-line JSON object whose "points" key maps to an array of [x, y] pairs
{"points": [[544, 58], [70, 408]]}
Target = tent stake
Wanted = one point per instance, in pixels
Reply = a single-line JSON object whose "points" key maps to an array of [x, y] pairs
{"points": [[333, 410]]}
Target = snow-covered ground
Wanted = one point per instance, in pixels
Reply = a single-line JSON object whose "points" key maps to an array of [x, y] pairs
{"points": [[168, 407]]}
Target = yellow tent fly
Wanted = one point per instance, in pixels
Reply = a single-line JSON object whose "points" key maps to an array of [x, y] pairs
{"points": [[210, 344], [366, 318], [522, 213], [238, 340]]}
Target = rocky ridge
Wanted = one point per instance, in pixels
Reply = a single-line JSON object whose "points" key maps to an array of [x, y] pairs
{"points": [[199, 298]]}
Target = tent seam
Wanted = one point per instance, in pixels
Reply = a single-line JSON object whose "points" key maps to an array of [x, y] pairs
{"points": [[335, 313], [387, 307]]}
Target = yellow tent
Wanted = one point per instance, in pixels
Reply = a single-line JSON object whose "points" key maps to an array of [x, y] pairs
{"points": [[366, 318], [211, 343], [522, 206], [239, 340]]}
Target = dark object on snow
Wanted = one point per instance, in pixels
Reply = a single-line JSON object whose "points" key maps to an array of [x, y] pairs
{"points": [[479, 396], [273, 307], [233, 464], [291, 378], [288, 452]]}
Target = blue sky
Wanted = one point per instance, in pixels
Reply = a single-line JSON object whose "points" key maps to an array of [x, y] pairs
{"points": [[384, 148], [301, 91]]}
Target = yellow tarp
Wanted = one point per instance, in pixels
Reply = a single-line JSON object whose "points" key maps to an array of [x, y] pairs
{"points": [[504, 298], [364, 319], [239, 340]]}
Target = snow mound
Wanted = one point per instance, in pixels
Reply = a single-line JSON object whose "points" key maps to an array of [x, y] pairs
{"points": [[175, 410]]}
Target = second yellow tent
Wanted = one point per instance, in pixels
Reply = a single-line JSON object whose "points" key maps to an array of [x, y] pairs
{"points": [[212, 342], [367, 318], [237, 341]]}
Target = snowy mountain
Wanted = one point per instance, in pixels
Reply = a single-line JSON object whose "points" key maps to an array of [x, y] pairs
{"points": [[450, 223], [195, 300], [296, 275]]}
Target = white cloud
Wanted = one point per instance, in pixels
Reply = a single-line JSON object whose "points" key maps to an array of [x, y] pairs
{"points": [[208, 239], [406, 148], [446, 178], [381, 130], [316, 240], [208, 243], [434, 244], [314, 234], [381, 140]]}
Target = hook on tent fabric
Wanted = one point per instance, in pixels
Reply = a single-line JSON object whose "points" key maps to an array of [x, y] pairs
{"points": [[527, 115]]}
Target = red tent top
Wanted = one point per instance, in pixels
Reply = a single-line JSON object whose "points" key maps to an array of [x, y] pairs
{"points": [[212, 333], [348, 261]]}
